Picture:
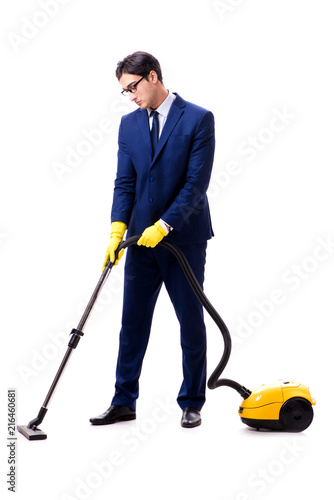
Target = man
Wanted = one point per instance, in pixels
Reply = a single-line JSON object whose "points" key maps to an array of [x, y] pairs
{"points": [[165, 157]]}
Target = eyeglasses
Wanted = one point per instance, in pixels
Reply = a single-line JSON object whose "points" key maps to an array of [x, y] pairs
{"points": [[132, 88]]}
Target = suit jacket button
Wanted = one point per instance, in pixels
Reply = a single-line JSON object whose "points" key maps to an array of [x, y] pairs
{"points": [[150, 200], [151, 179]]}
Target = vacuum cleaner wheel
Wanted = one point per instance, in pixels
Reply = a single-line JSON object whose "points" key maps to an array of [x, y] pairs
{"points": [[296, 414]]}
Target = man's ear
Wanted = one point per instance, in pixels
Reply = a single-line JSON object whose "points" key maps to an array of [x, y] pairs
{"points": [[153, 77]]}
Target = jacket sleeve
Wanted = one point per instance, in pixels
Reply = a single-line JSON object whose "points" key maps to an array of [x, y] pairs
{"points": [[192, 196], [125, 183]]}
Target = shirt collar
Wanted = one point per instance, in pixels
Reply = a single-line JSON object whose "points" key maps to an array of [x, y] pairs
{"points": [[165, 106]]}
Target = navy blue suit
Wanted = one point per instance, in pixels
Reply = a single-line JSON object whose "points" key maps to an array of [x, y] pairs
{"points": [[170, 185]]}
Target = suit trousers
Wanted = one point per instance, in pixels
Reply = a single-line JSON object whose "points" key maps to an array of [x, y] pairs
{"points": [[145, 271]]}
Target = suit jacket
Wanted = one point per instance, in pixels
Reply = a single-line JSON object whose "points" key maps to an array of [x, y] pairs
{"points": [[172, 184]]}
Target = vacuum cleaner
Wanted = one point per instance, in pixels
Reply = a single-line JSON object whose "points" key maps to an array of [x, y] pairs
{"points": [[282, 406]]}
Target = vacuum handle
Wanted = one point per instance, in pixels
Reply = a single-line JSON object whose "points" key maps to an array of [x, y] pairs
{"points": [[124, 244]]}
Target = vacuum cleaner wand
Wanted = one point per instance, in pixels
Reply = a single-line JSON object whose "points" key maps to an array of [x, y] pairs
{"points": [[31, 430]]}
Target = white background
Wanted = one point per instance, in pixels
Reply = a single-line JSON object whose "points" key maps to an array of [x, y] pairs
{"points": [[247, 61]]}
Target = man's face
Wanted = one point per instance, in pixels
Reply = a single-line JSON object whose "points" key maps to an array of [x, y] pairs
{"points": [[145, 92]]}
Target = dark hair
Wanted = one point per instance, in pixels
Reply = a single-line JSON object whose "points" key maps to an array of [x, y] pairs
{"points": [[139, 63]]}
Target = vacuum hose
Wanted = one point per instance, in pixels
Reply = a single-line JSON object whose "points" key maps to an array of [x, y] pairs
{"points": [[214, 380]]}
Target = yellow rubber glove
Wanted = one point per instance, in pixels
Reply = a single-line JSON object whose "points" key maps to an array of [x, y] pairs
{"points": [[152, 235], [117, 232]]}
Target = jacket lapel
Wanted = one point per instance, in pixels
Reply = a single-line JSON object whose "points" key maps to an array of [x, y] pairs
{"points": [[173, 117]]}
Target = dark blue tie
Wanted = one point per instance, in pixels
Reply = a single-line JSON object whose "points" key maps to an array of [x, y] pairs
{"points": [[155, 130]]}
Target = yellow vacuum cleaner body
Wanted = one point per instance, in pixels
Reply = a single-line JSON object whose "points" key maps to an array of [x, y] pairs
{"points": [[281, 406]]}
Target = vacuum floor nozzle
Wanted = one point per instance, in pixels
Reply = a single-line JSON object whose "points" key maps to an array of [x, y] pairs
{"points": [[31, 434]]}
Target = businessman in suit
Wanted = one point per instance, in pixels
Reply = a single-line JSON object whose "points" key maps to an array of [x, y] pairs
{"points": [[165, 157]]}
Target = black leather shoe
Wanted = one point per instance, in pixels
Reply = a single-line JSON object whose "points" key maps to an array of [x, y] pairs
{"points": [[190, 417], [114, 414]]}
